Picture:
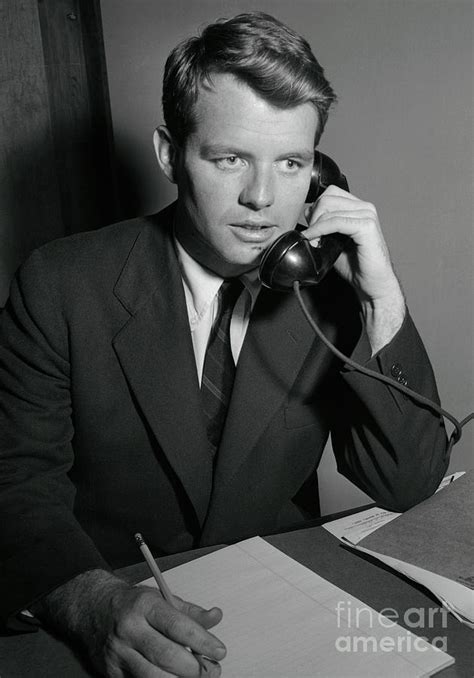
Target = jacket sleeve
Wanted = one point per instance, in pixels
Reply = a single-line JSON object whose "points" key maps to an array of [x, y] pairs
{"points": [[41, 543], [390, 446]]}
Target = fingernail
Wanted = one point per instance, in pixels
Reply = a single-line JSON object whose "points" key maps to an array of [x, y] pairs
{"points": [[201, 661], [212, 661]]}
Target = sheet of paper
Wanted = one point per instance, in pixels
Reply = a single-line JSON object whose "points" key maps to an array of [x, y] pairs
{"points": [[281, 619], [455, 597], [355, 527]]}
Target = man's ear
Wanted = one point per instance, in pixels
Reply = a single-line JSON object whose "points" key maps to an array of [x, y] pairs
{"points": [[166, 152]]}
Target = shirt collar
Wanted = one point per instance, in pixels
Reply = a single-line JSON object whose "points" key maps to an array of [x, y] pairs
{"points": [[201, 285]]}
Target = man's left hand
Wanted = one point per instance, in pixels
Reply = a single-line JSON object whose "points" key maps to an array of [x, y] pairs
{"points": [[365, 264]]}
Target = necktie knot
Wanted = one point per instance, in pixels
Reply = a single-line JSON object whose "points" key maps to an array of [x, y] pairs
{"points": [[230, 290]]}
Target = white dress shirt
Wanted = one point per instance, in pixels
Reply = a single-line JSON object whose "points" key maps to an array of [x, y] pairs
{"points": [[200, 289]]}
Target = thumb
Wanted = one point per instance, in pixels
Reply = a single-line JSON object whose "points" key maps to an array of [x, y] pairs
{"points": [[206, 618]]}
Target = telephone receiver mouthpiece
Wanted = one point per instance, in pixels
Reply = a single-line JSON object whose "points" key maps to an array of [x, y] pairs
{"points": [[291, 257]]}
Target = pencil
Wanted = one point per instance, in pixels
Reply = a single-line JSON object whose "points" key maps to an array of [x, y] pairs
{"points": [[163, 586], [155, 570]]}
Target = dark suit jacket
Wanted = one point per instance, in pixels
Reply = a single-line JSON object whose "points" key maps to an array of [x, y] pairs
{"points": [[101, 427]]}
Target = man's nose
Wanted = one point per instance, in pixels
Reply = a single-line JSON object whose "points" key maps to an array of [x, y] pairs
{"points": [[258, 191]]}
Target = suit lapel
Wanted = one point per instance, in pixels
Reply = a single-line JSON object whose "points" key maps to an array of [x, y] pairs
{"points": [[156, 354]]}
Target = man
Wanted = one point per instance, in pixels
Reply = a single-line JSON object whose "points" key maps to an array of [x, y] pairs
{"points": [[107, 425]]}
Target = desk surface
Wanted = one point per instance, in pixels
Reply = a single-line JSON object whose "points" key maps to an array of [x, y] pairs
{"points": [[39, 655]]}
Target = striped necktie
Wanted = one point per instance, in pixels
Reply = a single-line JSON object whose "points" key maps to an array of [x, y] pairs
{"points": [[219, 367]]}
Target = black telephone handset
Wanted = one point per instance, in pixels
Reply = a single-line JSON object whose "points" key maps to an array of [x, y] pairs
{"points": [[291, 257]]}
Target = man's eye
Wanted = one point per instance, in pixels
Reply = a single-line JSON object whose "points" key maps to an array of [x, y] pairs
{"points": [[291, 164], [229, 161]]}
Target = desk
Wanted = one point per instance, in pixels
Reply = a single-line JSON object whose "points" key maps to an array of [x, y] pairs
{"points": [[39, 655]]}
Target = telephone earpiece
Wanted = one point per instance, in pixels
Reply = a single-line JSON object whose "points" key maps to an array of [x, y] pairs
{"points": [[291, 257], [324, 173]]}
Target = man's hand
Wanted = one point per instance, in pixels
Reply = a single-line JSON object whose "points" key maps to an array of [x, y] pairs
{"points": [[132, 631], [366, 264]]}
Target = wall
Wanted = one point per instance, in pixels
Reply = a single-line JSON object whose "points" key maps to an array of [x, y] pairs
{"points": [[402, 132], [55, 142]]}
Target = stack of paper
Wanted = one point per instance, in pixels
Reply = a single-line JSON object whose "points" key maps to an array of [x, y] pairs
{"points": [[281, 619], [431, 543]]}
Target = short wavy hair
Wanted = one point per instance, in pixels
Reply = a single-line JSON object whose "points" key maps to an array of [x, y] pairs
{"points": [[260, 51]]}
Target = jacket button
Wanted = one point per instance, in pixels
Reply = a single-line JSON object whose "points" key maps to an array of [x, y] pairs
{"points": [[402, 379], [396, 369]]}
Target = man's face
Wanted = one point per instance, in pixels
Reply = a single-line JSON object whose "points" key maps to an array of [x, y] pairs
{"points": [[242, 175]]}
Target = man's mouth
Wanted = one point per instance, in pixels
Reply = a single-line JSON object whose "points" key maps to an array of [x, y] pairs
{"points": [[254, 225], [254, 232]]}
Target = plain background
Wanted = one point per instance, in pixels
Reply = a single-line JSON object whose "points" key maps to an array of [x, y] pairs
{"points": [[402, 132]]}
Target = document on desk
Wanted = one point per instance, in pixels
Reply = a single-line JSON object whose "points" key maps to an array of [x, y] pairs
{"points": [[431, 543], [281, 619], [356, 526]]}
